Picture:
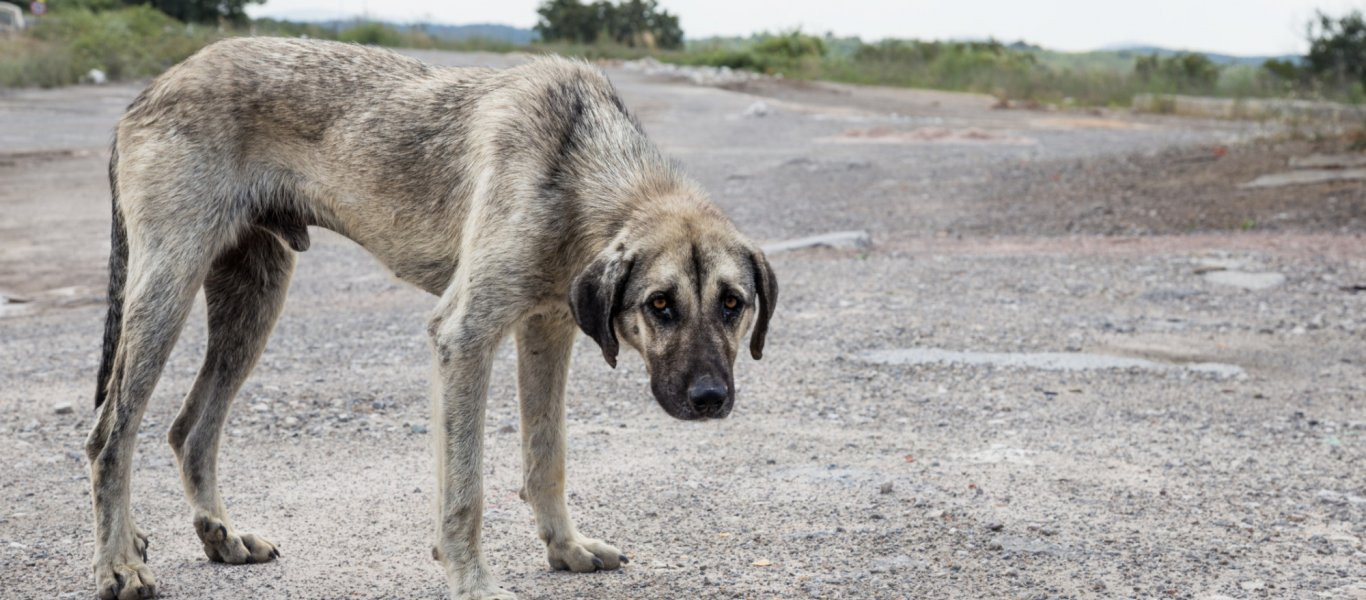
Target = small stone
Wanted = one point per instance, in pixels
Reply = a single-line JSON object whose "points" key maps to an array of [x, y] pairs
{"points": [[1331, 497], [758, 109], [844, 240], [995, 526], [63, 408], [418, 428], [1245, 280], [886, 488]]}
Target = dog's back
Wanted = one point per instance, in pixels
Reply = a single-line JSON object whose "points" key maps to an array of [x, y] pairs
{"points": [[288, 133]]}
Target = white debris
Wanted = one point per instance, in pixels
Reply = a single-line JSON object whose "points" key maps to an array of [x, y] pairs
{"points": [[1047, 361], [1306, 176], [697, 74], [758, 109], [1245, 280], [839, 239]]}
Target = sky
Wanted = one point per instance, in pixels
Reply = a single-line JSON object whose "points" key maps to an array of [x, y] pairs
{"points": [[1244, 27]]}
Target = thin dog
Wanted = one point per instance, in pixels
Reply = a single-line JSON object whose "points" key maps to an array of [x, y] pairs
{"points": [[527, 199]]}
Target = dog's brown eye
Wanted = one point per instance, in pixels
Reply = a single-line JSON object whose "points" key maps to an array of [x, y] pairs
{"points": [[730, 302], [660, 303]]}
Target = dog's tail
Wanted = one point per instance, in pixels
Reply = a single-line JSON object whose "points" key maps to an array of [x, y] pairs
{"points": [[118, 274]]}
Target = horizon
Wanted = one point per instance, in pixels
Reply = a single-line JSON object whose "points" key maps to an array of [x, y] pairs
{"points": [[1230, 27]]}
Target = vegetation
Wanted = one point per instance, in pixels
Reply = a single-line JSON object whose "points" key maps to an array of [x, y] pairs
{"points": [[1183, 72], [186, 11], [631, 23], [134, 41], [1336, 62]]}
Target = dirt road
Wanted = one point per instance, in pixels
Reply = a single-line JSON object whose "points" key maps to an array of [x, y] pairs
{"points": [[1078, 361]]}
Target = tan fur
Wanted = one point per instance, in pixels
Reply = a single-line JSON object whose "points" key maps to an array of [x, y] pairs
{"points": [[527, 199]]}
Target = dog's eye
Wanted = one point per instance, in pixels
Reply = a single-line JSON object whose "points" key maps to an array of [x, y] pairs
{"points": [[661, 308], [730, 308]]}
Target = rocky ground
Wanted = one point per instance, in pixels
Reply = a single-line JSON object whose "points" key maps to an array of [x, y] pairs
{"points": [[1077, 361]]}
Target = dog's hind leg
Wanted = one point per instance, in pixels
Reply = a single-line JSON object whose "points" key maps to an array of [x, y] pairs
{"points": [[244, 291], [164, 271], [544, 344]]}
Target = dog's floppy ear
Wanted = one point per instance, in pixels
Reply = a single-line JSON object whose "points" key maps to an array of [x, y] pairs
{"points": [[767, 287], [596, 300]]}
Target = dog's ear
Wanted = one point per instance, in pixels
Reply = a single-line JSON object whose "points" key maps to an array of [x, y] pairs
{"points": [[596, 300], [767, 287]]}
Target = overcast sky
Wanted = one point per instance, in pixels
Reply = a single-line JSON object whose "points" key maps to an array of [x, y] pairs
{"points": [[1229, 26]]}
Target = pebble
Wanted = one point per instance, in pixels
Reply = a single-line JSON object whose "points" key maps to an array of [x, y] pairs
{"points": [[63, 408], [886, 488], [853, 240], [418, 428], [758, 109], [1245, 280]]}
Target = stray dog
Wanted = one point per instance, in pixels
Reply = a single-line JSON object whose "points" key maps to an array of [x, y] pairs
{"points": [[528, 199]]}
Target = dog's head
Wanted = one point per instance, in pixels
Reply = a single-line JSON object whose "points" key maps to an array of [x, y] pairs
{"points": [[682, 290]]}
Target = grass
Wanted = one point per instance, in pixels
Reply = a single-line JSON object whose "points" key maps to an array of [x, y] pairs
{"points": [[132, 42]]}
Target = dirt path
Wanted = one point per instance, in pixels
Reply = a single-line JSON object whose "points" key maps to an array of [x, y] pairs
{"points": [[906, 435]]}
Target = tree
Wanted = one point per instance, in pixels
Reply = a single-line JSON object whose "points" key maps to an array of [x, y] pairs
{"points": [[202, 11], [631, 22], [1282, 69], [1183, 70], [1337, 48]]}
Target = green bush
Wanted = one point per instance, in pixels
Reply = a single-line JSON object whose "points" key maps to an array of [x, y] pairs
{"points": [[791, 46], [138, 41], [373, 34], [1183, 72]]}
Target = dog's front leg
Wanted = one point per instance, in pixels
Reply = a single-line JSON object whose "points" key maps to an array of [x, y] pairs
{"points": [[544, 344], [465, 334]]}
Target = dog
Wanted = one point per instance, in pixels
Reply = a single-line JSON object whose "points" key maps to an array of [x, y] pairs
{"points": [[528, 199]]}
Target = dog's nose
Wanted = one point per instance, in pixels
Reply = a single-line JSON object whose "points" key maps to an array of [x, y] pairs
{"points": [[708, 396]]}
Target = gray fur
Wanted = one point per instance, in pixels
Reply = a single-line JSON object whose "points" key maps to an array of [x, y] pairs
{"points": [[523, 198]]}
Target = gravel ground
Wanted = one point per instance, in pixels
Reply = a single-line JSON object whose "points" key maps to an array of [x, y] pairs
{"points": [[840, 473]]}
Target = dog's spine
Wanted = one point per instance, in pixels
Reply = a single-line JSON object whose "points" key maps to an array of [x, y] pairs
{"points": [[118, 272]]}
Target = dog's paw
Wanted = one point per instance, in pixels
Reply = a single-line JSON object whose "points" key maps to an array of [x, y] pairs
{"points": [[584, 555], [124, 578], [224, 545], [476, 584], [486, 593]]}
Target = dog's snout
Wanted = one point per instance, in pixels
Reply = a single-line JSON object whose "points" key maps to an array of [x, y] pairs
{"points": [[708, 397]]}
